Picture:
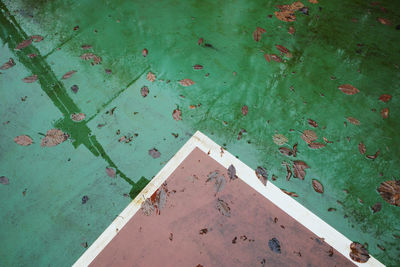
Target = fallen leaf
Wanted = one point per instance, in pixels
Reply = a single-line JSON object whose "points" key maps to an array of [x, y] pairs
{"points": [[257, 34], [110, 172], [274, 245], [285, 151], [326, 140], [286, 12], [186, 82], [298, 169], [68, 74], [23, 140], [144, 91], [291, 30], [276, 58], [197, 67], [362, 148], [390, 192], [203, 231], [245, 110], [317, 186], [176, 114], [309, 136], [279, 139], [4, 180], [358, 252], [288, 172], [267, 57], [78, 117], [151, 77], [385, 113], [313, 1], [223, 208], [385, 98], [24, 44], [85, 199], [85, 47], [315, 145], [348, 89], [212, 175], [154, 153], [200, 41], [87, 56], [262, 175], [30, 79], [147, 207], [219, 184], [292, 194], [37, 38], [294, 150], [353, 120], [232, 172], [145, 52], [282, 49], [374, 156], [312, 123], [376, 207], [54, 137], [9, 64], [385, 21]]}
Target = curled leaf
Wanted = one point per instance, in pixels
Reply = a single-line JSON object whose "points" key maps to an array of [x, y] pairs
{"points": [[348, 89], [285, 151], [358, 252], [288, 172], [292, 194], [312, 123], [276, 58], [23, 140], [257, 34], [186, 82], [68, 74], [317, 186], [362, 148], [374, 156], [282, 49]]}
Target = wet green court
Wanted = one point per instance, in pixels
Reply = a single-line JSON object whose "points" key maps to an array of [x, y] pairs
{"points": [[294, 98]]}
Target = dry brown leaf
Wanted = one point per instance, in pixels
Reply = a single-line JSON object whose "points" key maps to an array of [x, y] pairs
{"points": [[292, 194], [362, 148], [282, 49], [267, 57], [276, 58], [245, 110], [358, 252], [223, 208], [151, 77], [294, 150], [279, 139], [285, 151], [87, 56], [317, 186], [298, 169], [327, 141], [144, 91], [78, 117], [145, 52], [68, 74], [291, 30], [24, 44], [313, 1], [9, 64], [385, 113], [309, 136], [348, 89], [376, 207], [385, 21], [186, 82], [353, 120], [30, 79], [288, 172], [257, 34], [390, 192], [385, 98], [197, 67], [54, 137], [110, 172], [373, 157], [312, 123], [262, 175], [176, 114], [315, 145], [23, 140]]}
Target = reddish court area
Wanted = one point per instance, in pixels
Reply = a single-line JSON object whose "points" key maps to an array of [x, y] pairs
{"points": [[215, 223]]}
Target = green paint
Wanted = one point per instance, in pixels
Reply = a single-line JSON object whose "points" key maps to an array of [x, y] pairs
{"points": [[324, 45]]}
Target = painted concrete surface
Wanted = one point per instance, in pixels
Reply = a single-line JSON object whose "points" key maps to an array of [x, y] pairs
{"points": [[190, 230], [340, 42]]}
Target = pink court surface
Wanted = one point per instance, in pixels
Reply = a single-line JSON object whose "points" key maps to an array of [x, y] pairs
{"points": [[216, 221]]}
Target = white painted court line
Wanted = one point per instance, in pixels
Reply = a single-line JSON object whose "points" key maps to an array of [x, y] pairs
{"points": [[244, 172]]}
